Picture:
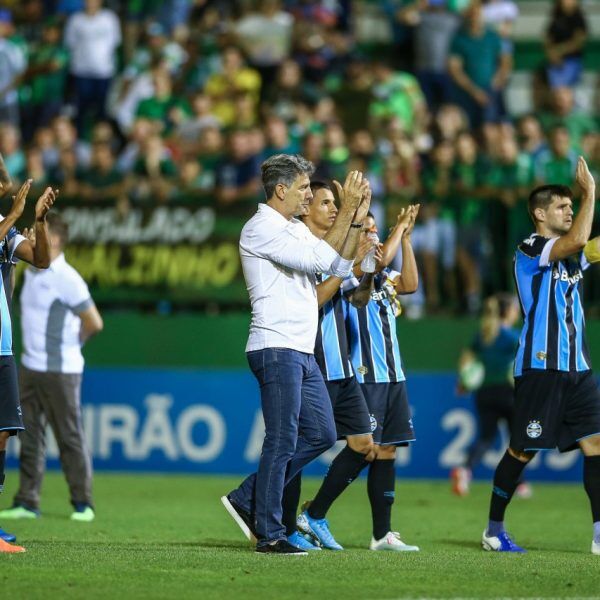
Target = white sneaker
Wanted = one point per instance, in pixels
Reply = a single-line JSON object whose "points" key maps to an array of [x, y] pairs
{"points": [[391, 541], [595, 547]]}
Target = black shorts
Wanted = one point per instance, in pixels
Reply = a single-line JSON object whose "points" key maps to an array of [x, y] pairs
{"points": [[390, 413], [554, 409], [10, 408], [349, 407]]}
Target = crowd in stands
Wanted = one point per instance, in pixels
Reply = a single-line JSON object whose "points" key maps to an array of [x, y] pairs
{"points": [[145, 102]]}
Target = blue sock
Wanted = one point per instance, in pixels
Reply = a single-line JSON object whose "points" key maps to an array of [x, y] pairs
{"points": [[495, 528], [597, 532]]}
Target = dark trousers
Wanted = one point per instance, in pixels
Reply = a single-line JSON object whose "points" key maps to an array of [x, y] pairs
{"points": [[90, 100], [52, 398], [494, 403], [299, 426]]}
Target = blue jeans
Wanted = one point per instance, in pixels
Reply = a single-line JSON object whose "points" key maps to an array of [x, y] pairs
{"points": [[567, 73], [299, 426]]}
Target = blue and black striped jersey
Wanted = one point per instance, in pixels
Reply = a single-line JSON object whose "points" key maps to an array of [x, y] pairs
{"points": [[331, 345], [7, 248], [553, 334], [374, 348]]}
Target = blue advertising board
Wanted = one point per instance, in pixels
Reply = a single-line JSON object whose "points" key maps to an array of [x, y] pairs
{"points": [[209, 421]]}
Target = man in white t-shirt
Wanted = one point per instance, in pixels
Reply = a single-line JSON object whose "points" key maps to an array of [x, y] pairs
{"points": [[57, 316], [92, 37]]}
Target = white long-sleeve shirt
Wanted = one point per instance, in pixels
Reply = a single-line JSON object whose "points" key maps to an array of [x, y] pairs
{"points": [[280, 259]]}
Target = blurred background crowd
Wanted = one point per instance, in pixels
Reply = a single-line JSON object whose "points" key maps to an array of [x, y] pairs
{"points": [[158, 102]]}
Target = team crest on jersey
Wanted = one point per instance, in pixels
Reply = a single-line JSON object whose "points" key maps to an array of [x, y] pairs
{"points": [[373, 423], [541, 355], [534, 429], [362, 370]]}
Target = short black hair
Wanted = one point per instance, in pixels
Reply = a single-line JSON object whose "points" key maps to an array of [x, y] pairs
{"points": [[542, 197], [318, 184]]}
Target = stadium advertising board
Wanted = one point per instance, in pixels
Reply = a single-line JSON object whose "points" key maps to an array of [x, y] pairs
{"points": [[178, 253], [210, 422]]}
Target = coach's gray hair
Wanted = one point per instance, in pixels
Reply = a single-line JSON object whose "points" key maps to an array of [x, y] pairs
{"points": [[283, 168]]}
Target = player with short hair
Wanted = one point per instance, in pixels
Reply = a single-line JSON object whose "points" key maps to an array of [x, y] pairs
{"points": [[350, 410], [557, 399], [13, 247], [376, 360]]}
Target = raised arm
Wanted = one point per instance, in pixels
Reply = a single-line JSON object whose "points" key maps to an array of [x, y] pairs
{"points": [[350, 195], [38, 254], [575, 240], [16, 210], [391, 245], [408, 281]]}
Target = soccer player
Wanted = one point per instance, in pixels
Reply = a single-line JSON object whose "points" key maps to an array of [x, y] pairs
{"points": [[14, 246], [57, 316], [350, 411], [279, 258], [557, 400], [375, 356]]}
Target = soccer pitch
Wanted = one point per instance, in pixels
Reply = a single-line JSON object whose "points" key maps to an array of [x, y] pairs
{"points": [[169, 537]]}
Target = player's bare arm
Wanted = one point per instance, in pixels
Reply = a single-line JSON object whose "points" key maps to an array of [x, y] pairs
{"points": [[350, 196], [577, 237], [16, 210], [408, 281], [38, 253], [403, 221], [362, 294], [353, 237]]}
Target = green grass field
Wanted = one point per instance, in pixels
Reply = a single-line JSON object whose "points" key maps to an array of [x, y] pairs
{"points": [[169, 537]]}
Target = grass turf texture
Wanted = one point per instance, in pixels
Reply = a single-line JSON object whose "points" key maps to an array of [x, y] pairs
{"points": [[169, 537]]}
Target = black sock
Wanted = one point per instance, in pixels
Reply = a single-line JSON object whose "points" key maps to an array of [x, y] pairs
{"points": [[506, 478], [342, 472], [289, 503], [2, 460], [591, 483], [380, 486]]}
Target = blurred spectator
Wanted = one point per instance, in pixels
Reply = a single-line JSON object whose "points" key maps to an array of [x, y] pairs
{"points": [[64, 174], [564, 43], [92, 38], [238, 178], [210, 155], [556, 164], [265, 36], [12, 64], [354, 96], [479, 66], [164, 109], [288, 90], [140, 132], [101, 181], [468, 176], [189, 131], [234, 78], [336, 150], [530, 135], [313, 149], [10, 148], [449, 122], [278, 138], [434, 240], [563, 112], [153, 177], [397, 95], [36, 170], [43, 83], [434, 27], [65, 135]]}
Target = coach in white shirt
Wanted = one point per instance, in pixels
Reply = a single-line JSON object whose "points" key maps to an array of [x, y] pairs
{"points": [[280, 258], [57, 316], [92, 37]]}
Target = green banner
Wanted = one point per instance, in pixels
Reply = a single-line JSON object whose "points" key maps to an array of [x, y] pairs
{"points": [[178, 254]]}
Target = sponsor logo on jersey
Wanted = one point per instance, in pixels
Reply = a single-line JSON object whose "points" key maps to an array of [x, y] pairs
{"points": [[541, 355], [362, 370]]}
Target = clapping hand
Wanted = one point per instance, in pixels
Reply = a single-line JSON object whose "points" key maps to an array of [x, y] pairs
{"points": [[583, 177], [44, 203], [353, 191]]}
